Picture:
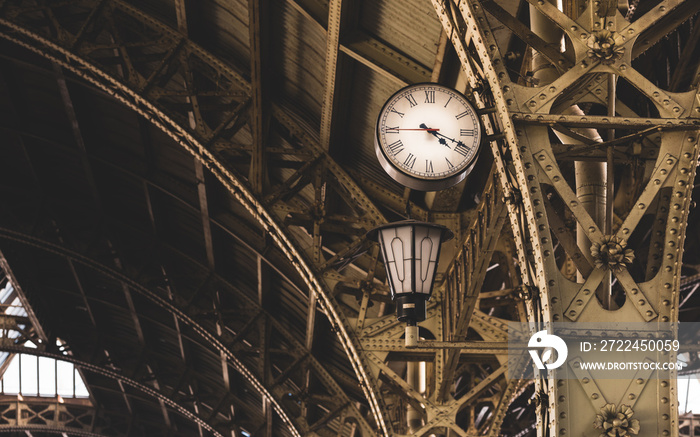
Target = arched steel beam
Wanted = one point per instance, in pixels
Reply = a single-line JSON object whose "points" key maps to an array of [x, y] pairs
{"points": [[136, 100], [213, 340], [329, 382], [184, 412], [118, 276], [298, 349]]}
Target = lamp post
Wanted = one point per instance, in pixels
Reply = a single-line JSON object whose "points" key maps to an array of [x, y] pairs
{"points": [[411, 250]]}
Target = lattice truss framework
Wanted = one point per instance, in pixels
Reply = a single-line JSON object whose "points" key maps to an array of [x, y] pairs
{"points": [[316, 214], [655, 202]]}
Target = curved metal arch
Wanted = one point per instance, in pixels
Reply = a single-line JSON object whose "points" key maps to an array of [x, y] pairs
{"points": [[117, 276], [322, 372], [168, 306], [117, 377], [306, 355], [350, 411], [133, 99]]}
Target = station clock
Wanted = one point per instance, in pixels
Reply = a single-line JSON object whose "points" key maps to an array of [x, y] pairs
{"points": [[428, 136]]}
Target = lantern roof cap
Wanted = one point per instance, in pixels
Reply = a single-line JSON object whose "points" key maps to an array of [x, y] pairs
{"points": [[447, 234]]}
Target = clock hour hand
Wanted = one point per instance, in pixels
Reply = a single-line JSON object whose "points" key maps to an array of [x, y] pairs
{"points": [[429, 129], [436, 134]]}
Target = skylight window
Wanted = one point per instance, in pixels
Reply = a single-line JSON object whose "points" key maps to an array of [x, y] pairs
{"points": [[30, 375]]}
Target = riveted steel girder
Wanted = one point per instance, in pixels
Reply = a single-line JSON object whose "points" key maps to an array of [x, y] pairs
{"points": [[533, 165]]}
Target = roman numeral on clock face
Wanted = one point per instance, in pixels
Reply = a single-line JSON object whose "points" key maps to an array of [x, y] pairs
{"points": [[429, 97], [463, 114], [466, 132], [449, 164], [411, 100], [429, 166], [462, 149], [391, 130], [401, 114], [410, 160], [396, 147]]}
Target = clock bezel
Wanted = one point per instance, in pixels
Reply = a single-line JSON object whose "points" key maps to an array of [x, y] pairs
{"points": [[416, 181]]}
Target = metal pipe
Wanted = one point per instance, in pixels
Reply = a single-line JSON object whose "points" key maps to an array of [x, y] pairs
{"points": [[591, 185], [612, 92], [542, 70], [411, 337], [413, 415], [610, 177], [591, 177]]}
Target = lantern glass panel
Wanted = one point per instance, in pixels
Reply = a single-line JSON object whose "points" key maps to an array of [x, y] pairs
{"points": [[411, 254], [397, 251], [427, 250]]}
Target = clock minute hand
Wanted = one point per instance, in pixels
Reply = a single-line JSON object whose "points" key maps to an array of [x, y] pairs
{"points": [[460, 147], [446, 137]]}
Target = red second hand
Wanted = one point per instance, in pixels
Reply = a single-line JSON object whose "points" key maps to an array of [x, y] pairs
{"points": [[428, 130]]}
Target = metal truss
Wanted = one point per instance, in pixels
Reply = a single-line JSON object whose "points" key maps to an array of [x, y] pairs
{"points": [[48, 416], [532, 165], [72, 416], [21, 407], [257, 326], [466, 390], [298, 362], [51, 414], [162, 97]]}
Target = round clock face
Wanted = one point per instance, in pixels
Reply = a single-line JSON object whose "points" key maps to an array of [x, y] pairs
{"points": [[428, 136]]}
